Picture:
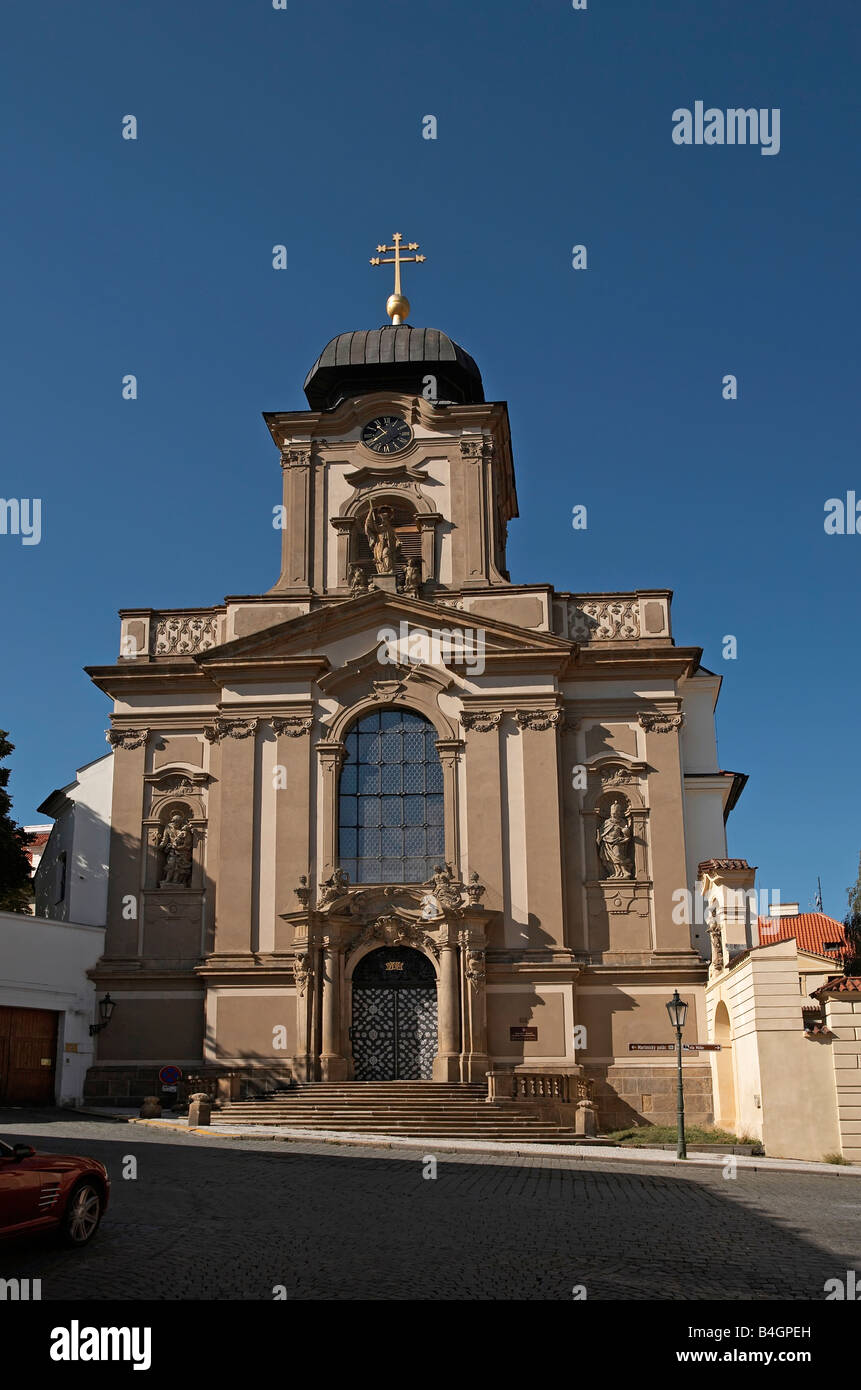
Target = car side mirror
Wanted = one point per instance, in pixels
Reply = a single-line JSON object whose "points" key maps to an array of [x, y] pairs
{"points": [[23, 1151]]}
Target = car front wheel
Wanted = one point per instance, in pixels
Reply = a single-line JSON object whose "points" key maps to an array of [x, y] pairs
{"points": [[82, 1215]]}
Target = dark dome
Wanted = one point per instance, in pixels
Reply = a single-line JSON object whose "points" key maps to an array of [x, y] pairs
{"points": [[392, 358]]}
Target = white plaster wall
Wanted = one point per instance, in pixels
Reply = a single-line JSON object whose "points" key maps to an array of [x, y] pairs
{"points": [[82, 832], [699, 739], [43, 965]]}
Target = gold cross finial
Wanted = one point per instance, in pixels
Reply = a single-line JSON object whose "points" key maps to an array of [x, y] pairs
{"points": [[397, 304]]}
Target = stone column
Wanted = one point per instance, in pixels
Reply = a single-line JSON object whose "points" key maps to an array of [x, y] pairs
{"points": [[331, 755], [543, 823], [666, 825], [293, 848], [296, 547], [426, 522], [303, 973], [475, 1063], [344, 526], [234, 851], [446, 1064], [484, 818], [333, 1066], [449, 750], [127, 855]]}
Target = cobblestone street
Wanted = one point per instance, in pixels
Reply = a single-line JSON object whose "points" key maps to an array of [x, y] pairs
{"points": [[223, 1219]]}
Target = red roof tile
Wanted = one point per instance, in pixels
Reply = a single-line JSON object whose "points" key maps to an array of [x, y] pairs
{"points": [[811, 930], [843, 984]]}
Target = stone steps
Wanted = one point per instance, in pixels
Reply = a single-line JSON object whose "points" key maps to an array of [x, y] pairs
{"points": [[409, 1109]]}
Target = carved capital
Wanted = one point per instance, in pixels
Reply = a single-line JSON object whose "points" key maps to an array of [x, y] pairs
{"points": [[331, 754], [127, 739], [482, 721], [475, 448], [293, 725], [230, 728], [296, 457], [538, 718], [655, 722]]}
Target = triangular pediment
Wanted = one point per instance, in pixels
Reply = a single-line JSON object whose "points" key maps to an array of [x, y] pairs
{"points": [[307, 638]]}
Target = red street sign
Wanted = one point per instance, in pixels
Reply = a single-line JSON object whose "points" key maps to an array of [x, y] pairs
{"points": [[671, 1047], [169, 1076]]}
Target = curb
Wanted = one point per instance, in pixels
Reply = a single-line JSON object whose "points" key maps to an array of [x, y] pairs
{"points": [[598, 1153]]}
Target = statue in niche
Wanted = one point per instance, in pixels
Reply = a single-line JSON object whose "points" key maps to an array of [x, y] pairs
{"points": [[382, 538], [616, 842], [412, 577], [176, 845], [358, 581], [716, 944]]}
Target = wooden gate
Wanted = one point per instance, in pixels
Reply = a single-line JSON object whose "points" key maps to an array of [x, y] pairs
{"points": [[28, 1056]]}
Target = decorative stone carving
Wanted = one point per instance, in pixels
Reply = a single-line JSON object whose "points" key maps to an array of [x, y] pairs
{"points": [[393, 931], [537, 718], [475, 891], [474, 968], [293, 725], [359, 582], [475, 448], [482, 721], [717, 946], [303, 892], [603, 620], [230, 728], [655, 722], [615, 836], [334, 889], [616, 776], [176, 845], [127, 739], [412, 577], [302, 971], [185, 633], [292, 457], [446, 888]]}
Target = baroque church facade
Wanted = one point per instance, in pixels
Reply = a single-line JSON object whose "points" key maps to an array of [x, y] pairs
{"points": [[401, 816]]}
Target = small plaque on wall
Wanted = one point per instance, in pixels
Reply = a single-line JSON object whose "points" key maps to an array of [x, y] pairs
{"points": [[521, 1034]]}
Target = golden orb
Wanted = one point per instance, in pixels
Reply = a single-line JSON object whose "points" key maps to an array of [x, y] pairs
{"points": [[397, 307]]}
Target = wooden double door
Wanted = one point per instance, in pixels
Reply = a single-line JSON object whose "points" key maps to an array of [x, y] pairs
{"points": [[28, 1056]]}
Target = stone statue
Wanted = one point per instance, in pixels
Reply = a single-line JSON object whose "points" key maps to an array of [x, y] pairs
{"points": [[176, 845], [412, 577], [358, 581], [445, 888], [615, 842], [382, 539], [717, 944], [334, 888]]}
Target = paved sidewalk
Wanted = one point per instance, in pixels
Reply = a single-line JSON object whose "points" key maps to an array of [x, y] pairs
{"points": [[613, 1153]]}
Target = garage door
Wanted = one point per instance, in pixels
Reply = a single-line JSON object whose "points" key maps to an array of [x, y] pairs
{"points": [[28, 1056]]}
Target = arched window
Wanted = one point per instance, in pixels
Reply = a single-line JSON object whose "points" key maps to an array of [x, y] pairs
{"points": [[390, 805]]}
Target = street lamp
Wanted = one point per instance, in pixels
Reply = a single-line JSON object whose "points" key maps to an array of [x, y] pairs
{"points": [[677, 1009], [106, 1009]]}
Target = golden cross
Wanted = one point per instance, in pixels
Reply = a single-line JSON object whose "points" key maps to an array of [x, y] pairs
{"points": [[397, 306]]}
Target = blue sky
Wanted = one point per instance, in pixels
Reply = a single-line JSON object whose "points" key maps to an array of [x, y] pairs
{"points": [[259, 127]]}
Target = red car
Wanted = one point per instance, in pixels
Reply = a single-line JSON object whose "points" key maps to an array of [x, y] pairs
{"points": [[43, 1192]]}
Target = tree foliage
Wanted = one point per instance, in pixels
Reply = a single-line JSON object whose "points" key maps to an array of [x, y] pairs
{"points": [[15, 881]]}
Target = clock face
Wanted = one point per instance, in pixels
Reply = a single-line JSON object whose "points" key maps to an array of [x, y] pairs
{"points": [[388, 434]]}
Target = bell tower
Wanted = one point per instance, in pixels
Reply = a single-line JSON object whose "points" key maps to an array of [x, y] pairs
{"points": [[400, 476]]}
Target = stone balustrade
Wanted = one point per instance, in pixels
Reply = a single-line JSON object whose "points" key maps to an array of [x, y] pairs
{"points": [[643, 616]]}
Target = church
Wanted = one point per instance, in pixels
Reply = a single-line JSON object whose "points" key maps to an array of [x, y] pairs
{"points": [[402, 817]]}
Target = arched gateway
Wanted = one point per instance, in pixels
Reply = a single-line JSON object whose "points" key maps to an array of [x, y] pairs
{"points": [[394, 1028]]}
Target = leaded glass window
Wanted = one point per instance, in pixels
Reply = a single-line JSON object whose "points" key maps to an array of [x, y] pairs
{"points": [[390, 804]]}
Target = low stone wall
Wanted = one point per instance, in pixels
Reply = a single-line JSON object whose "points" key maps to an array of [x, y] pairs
{"points": [[126, 1087], [627, 1095]]}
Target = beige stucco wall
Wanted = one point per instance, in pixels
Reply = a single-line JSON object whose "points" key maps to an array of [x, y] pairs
{"points": [[243, 1025], [772, 1059]]}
